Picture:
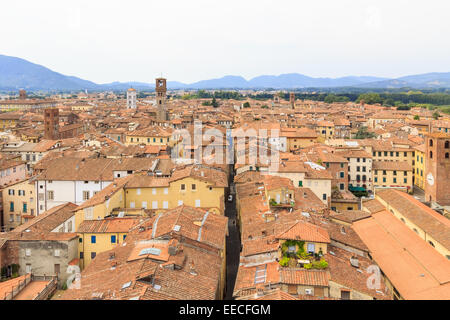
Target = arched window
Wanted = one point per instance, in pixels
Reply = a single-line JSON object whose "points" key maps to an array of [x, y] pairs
{"points": [[431, 142], [447, 144]]}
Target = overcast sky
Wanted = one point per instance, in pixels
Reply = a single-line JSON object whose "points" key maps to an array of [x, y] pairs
{"points": [[191, 40]]}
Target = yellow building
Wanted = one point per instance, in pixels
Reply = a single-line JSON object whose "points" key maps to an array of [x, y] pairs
{"points": [[18, 203], [298, 138], [419, 167], [9, 120], [394, 154], [97, 236], [193, 186], [392, 174], [325, 129], [152, 136]]}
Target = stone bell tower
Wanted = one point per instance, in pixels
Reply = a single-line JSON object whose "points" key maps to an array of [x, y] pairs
{"points": [[161, 90]]}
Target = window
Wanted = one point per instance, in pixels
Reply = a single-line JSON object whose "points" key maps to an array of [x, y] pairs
{"points": [[395, 180], [93, 239], [342, 175], [183, 187], [165, 204], [80, 240], [138, 191], [28, 268], [180, 202], [11, 206], [153, 190], [11, 192], [166, 190], [194, 187], [345, 295], [50, 195], [28, 252], [431, 142], [300, 183], [197, 203], [144, 204], [384, 179], [57, 252], [85, 195], [24, 207], [342, 186], [113, 239], [405, 180], [447, 155], [124, 237], [81, 255], [447, 145], [154, 204], [324, 196], [376, 179], [358, 169], [431, 154], [93, 254], [395, 173]]}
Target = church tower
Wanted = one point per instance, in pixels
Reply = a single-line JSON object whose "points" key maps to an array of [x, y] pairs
{"points": [[131, 98], [437, 166], [292, 99], [51, 123], [161, 90]]}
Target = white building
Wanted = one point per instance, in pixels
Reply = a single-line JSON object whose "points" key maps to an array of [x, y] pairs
{"points": [[131, 98]]}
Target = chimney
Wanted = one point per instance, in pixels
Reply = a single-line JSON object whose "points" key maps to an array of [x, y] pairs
{"points": [[173, 247]]}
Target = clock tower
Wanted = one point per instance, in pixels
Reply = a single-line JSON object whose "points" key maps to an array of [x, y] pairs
{"points": [[161, 91], [437, 168]]}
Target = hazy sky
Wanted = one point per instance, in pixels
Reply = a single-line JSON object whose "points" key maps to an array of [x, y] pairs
{"points": [[191, 40]]}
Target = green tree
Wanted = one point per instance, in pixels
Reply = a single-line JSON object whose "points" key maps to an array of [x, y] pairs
{"points": [[214, 103], [369, 98], [436, 115], [363, 133], [246, 104], [416, 117]]}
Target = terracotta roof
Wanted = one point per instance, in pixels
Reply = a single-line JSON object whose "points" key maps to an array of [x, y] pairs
{"points": [[305, 231], [304, 277], [434, 224], [415, 268]]}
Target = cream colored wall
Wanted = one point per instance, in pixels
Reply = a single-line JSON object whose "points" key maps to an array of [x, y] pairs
{"points": [[208, 198], [103, 243], [420, 232], [29, 198]]}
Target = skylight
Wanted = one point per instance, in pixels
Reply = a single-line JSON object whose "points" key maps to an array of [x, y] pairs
{"points": [[152, 251]]}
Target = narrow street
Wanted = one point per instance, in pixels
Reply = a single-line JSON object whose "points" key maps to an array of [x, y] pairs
{"points": [[233, 246]]}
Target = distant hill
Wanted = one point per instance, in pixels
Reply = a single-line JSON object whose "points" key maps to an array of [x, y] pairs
{"points": [[17, 73], [426, 80]]}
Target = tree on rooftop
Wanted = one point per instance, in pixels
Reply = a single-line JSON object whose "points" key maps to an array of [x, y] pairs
{"points": [[246, 105], [364, 133], [416, 117], [436, 115]]}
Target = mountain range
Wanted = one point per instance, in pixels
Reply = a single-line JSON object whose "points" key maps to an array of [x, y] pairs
{"points": [[17, 73]]}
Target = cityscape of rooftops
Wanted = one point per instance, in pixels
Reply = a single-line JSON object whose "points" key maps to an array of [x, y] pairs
{"points": [[246, 152]]}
